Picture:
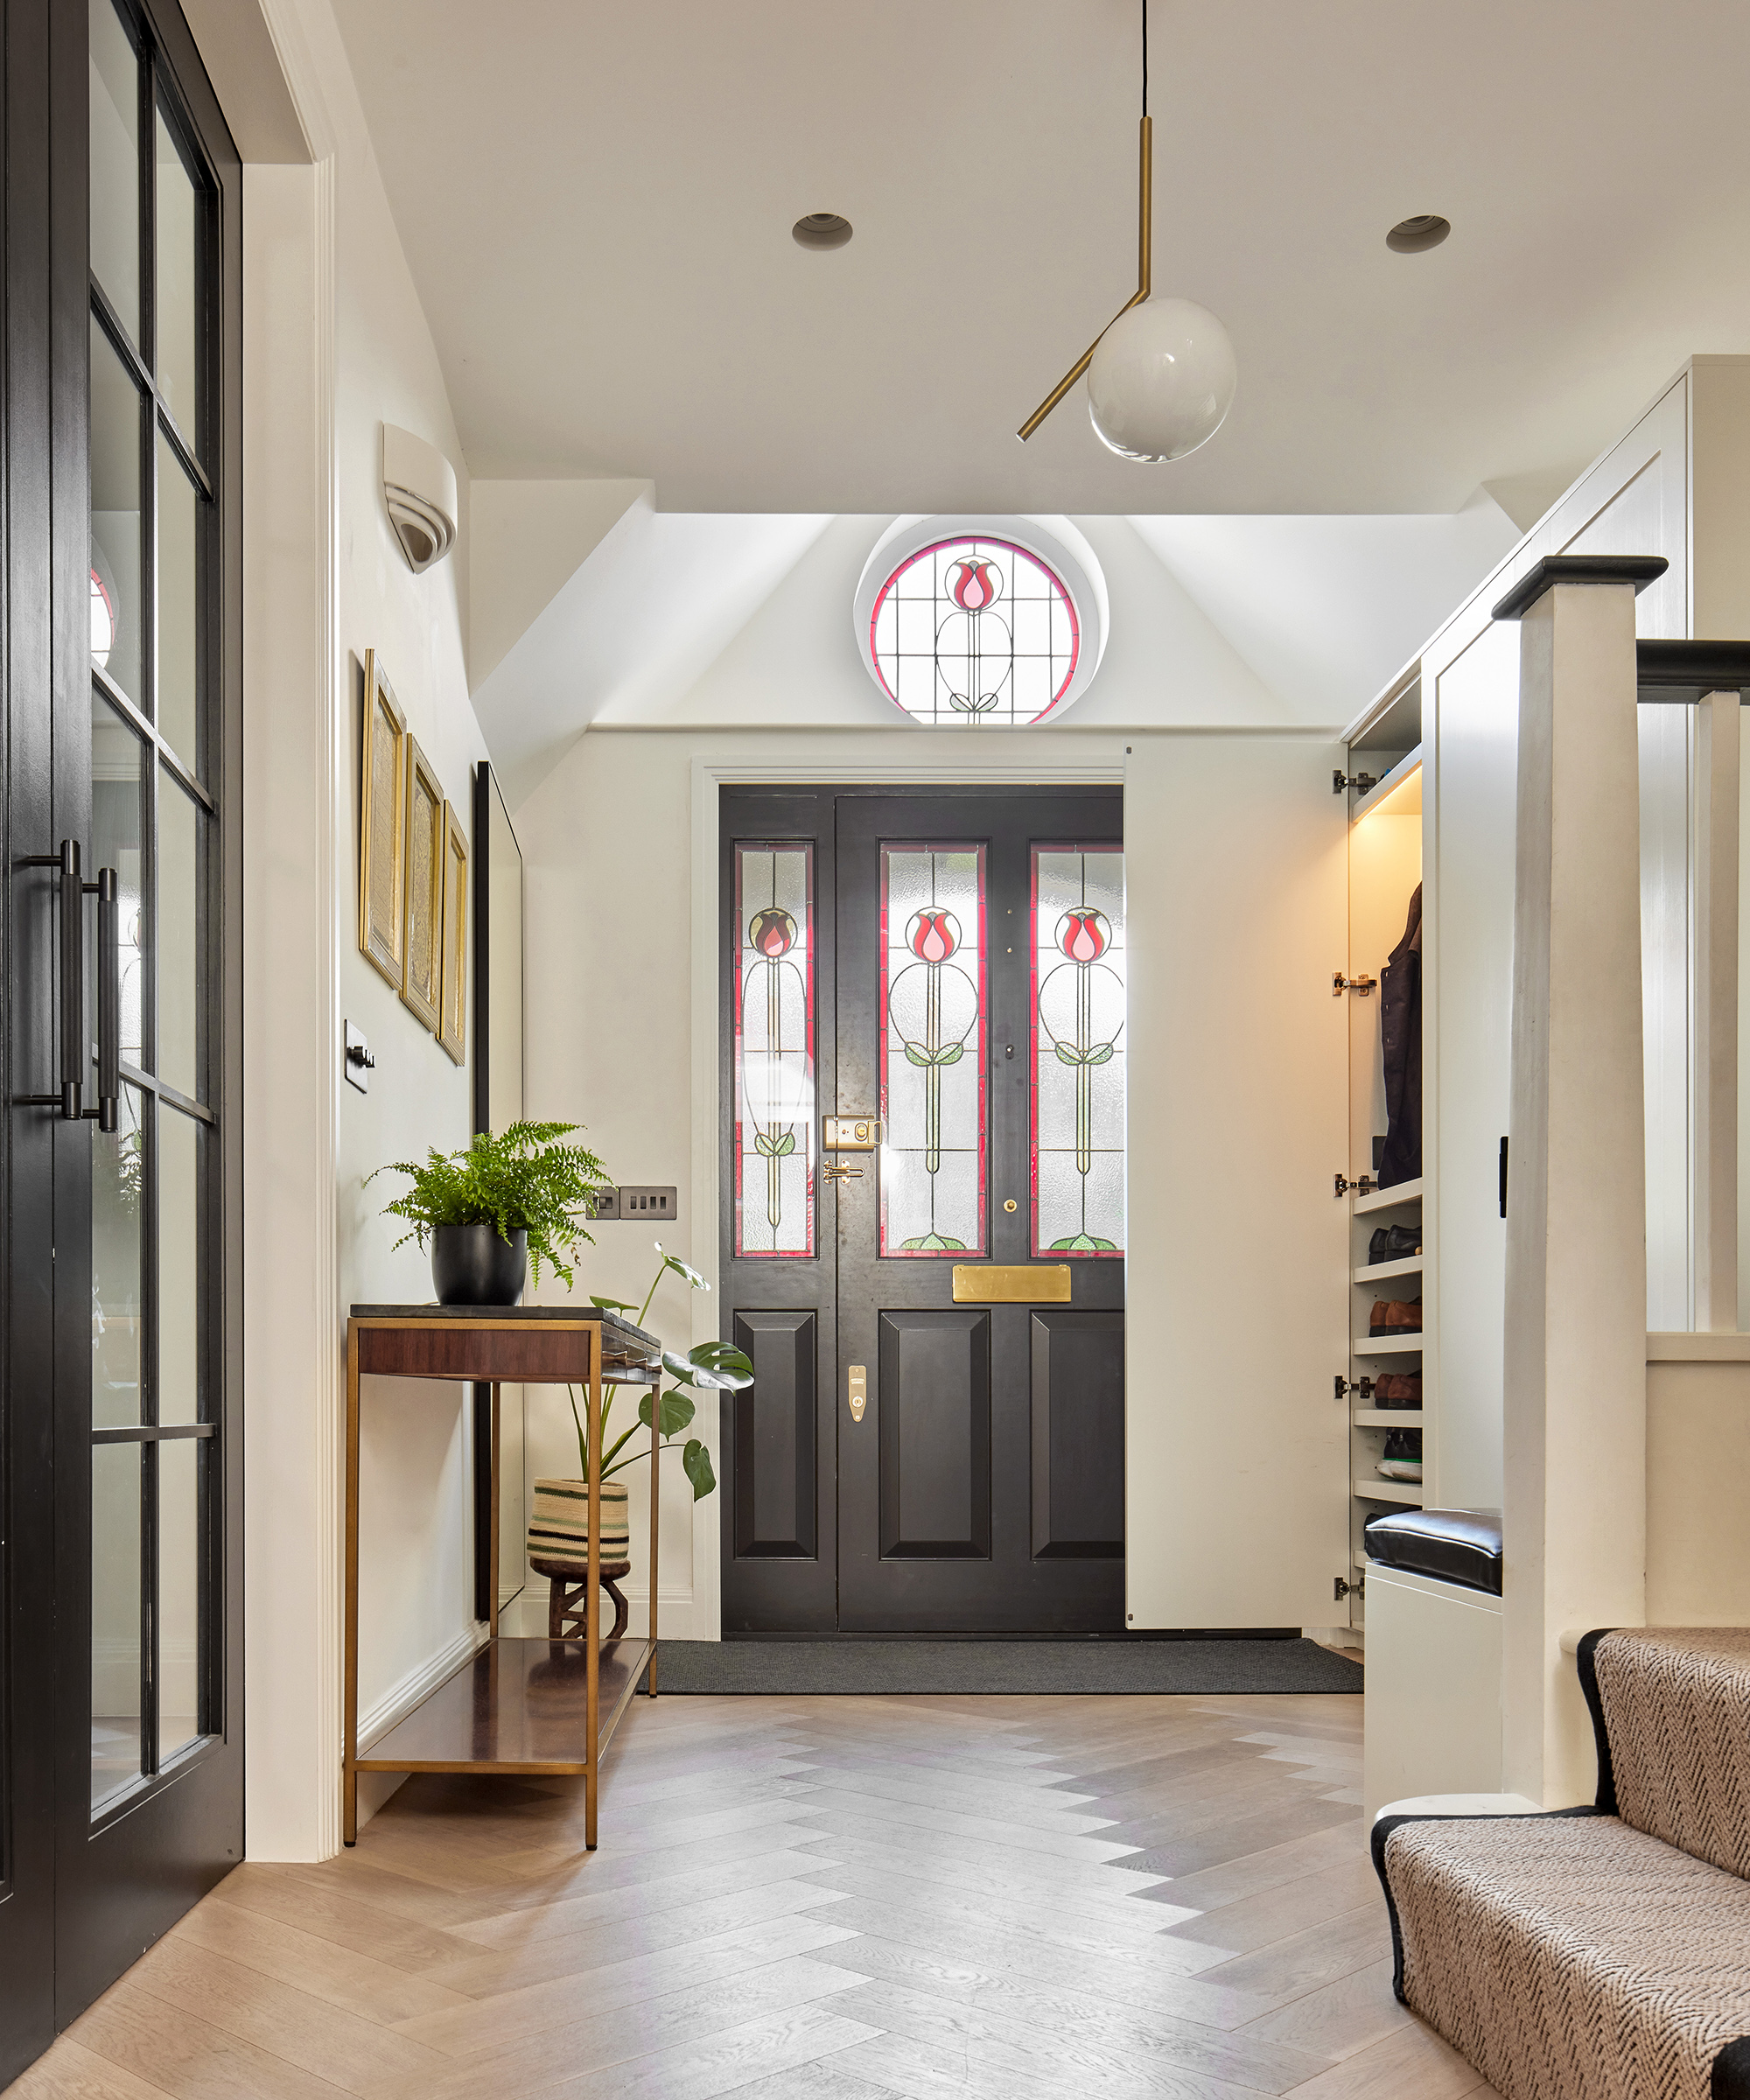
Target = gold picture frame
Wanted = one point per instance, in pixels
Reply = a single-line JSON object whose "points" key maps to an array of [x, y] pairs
{"points": [[382, 826], [452, 1002], [423, 946]]}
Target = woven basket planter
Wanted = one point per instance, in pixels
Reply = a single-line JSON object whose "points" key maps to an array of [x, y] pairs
{"points": [[559, 1525]]}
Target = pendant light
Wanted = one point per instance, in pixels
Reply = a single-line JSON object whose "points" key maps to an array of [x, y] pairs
{"points": [[1161, 377]]}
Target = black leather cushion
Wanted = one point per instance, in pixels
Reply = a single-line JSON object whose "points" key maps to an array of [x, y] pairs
{"points": [[1452, 1545]]}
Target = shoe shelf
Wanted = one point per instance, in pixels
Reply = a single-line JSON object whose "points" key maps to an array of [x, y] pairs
{"points": [[1407, 1491], [1387, 1345], [1379, 1272], [1386, 1417], [1389, 1198]]}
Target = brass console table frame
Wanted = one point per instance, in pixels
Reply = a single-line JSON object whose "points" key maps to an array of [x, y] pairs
{"points": [[522, 1691]]}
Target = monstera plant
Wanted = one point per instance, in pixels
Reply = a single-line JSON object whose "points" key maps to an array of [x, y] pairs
{"points": [[708, 1366]]}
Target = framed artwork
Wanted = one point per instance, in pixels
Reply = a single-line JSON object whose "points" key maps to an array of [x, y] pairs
{"points": [[423, 945], [453, 1003], [382, 827]]}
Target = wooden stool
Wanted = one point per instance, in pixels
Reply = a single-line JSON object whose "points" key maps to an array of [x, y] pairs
{"points": [[566, 1600]]}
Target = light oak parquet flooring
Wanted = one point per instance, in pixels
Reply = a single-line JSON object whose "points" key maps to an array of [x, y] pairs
{"points": [[884, 1898]]}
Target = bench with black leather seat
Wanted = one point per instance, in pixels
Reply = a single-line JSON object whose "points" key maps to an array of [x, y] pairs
{"points": [[1452, 1545], [1602, 1952]]}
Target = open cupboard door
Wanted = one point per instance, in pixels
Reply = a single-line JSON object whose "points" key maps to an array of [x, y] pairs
{"points": [[1237, 1442]]}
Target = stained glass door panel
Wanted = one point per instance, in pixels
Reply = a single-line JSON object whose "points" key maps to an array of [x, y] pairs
{"points": [[933, 1056], [1076, 1051], [774, 1048]]}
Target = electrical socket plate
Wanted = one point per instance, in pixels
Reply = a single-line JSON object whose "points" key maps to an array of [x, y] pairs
{"points": [[658, 1205]]}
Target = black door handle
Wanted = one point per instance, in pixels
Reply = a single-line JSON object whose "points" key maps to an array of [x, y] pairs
{"points": [[74, 1051]]}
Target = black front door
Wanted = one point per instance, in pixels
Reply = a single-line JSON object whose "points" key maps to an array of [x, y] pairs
{"points": [[123, 1778], [934, 1442]]}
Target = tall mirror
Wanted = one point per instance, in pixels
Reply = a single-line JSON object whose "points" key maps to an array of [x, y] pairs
{"points": [[497, 1102]]}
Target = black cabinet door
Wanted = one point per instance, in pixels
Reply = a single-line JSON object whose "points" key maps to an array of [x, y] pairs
{"points": [[121, 456], [966, 960]]}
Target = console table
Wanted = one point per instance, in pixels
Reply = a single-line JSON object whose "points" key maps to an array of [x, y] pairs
{"points": [[515, 1705]]}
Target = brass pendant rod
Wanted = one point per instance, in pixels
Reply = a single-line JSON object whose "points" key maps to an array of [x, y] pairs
{"points": [[1145, 246]]}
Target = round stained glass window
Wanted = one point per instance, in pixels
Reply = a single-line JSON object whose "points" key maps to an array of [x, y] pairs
{"points": [[971, 631]]}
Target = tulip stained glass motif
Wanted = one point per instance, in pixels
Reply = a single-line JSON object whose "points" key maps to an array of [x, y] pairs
{"points": [[932, 1058], [970, 633], [774, 1048], [1078, 1050]]}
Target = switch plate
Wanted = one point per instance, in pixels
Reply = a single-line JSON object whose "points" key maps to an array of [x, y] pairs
{"points": [[658, 1205], [605, 1205], [356, 1062]]}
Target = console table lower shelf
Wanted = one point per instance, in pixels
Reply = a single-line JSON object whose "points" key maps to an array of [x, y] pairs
{"points": [[515, 1705]]}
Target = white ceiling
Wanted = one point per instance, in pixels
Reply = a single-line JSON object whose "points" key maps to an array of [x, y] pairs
{"points": [[595, 200]]}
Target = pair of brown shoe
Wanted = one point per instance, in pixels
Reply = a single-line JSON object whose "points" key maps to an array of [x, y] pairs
{"points": [[1399, 1389], [1393, 1316]]}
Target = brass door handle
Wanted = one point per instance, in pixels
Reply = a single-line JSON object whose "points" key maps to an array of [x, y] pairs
{"points": [[857, 1390]]}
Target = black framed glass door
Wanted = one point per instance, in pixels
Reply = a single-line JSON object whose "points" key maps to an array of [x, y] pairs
{"points": [[124, 1040]]}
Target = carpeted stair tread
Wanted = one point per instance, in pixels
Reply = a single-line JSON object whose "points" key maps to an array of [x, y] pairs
{"points": [[1675, 1710], [1570, 1956], [891, 1669]]}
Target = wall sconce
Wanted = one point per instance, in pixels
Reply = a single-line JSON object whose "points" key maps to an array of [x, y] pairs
{"points": [[419, 485]]}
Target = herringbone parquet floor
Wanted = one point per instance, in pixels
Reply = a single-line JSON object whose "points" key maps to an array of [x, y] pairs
{"points": [[815, 1900]]}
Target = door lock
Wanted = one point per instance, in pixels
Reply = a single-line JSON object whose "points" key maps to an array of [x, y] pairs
{"points": [[852, 1133], [857, 1389]]}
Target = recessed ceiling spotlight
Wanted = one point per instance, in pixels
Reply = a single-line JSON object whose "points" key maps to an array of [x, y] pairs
{"points": [[1411, 236], [820, 229]]}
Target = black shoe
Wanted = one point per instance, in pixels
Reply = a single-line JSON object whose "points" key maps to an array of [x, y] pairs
{"points": [[1395, 1244]]}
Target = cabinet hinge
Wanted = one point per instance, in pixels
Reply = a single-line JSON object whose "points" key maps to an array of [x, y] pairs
{"points": [[1360, 782], [1363, 1187], [1345, 1386], [1339, 984], [1339, 1588]]}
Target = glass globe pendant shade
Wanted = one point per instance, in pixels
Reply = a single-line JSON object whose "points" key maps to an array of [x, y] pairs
{"points": [[1161, 380]]}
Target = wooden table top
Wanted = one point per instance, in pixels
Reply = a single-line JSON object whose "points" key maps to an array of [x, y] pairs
{"points": [[532, 1345]]}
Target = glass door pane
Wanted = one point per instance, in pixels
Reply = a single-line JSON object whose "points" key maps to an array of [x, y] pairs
{"points": [[115, 165], [177, 285], [117, 1617], [116, 623]]}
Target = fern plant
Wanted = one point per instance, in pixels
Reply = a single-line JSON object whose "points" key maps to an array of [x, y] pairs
{"points": [[707, 1367], [523, 1179]]}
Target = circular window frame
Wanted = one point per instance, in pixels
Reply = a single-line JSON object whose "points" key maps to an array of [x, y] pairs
{"points": [[1057, 548]]}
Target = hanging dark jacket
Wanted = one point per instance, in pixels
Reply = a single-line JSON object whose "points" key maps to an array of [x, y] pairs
{"points": [[1400, 1021]]}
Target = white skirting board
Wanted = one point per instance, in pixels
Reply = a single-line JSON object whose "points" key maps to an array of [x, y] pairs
{"points": [[1433, 1688]]}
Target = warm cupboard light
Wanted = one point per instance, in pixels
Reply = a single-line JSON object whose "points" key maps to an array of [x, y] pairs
{"points": [[1404, 800]]}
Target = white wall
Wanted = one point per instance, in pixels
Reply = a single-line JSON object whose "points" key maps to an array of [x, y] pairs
{"points": [[335, 343]]}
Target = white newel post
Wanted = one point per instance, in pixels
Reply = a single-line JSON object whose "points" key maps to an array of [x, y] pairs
{"points": [[1575, 1371]]}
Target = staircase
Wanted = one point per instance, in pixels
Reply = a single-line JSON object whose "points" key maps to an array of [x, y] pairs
{"points": [[1600, 1953]]}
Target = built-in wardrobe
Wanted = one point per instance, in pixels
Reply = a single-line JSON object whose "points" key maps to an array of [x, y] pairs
{"points": [[1255, 1433]]}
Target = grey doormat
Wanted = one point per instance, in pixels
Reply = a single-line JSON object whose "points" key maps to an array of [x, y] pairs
{"points": [[803, 1669]]}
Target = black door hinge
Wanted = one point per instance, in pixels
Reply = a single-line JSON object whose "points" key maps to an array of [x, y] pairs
{"points": [[1363, 1386], [1339, 984], [1364, 1186], [1360, 782], [1503, 1177], [1339, 1589]]}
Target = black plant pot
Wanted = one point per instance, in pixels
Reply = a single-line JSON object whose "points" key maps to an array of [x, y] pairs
{"points": [[472, 1265]]}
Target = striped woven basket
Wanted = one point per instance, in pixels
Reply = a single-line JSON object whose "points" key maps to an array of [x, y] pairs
{"points": [[559, 1523]]}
